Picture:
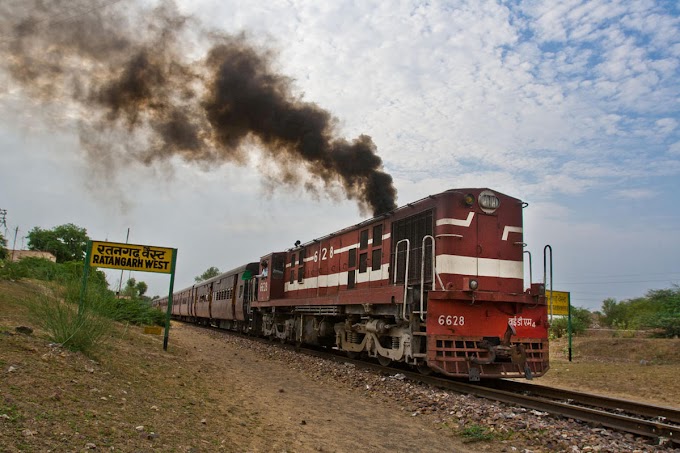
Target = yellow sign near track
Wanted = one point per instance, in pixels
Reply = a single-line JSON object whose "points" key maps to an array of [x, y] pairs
{"points": [[558, 302], [131, 257]]}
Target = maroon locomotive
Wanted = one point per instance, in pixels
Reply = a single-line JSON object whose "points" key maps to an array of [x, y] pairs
{"points": [[437, 284]]}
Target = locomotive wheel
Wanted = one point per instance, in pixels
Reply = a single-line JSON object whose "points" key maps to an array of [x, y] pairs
{"points": [[384, 361], [424, 369]]}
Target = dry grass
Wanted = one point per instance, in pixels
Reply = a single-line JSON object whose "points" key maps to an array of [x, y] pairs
{"points": [[54, 399], [641, 369]]}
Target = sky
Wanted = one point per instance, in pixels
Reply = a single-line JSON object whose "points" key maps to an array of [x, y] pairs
{"points": [[572, 107]]}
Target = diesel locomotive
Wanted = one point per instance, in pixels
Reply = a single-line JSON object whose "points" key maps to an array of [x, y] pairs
{"points": [[437, 284]]}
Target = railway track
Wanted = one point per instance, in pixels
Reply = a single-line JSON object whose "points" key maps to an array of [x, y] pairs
{"points": [[655, 422]]}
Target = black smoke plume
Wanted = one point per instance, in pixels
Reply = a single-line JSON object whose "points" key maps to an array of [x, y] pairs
{"points": [[142, 93]]}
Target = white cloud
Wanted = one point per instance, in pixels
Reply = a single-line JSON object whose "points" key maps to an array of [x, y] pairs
{"points": [[674, 149], [544, 101], [666, 126], [635, 194]]}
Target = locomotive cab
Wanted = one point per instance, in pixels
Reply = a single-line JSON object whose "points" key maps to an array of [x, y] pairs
{"points": [[270, 282]]}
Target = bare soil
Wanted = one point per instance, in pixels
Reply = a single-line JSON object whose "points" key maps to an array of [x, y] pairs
{"points": [[638, 369], [208, 393]]}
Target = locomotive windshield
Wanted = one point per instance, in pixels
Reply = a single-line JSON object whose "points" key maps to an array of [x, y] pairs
{"points": [[278, 267]]}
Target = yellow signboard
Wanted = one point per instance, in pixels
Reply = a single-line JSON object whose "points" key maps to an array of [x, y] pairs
{"points": [[153, 330], [132, 257], [558, 302]]}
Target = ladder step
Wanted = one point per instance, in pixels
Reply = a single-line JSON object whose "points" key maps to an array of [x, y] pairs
{"points": [[418, 354], [419, 334]]}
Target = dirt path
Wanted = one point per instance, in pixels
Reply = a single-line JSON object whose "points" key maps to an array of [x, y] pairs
{"points": [[283, 409]]}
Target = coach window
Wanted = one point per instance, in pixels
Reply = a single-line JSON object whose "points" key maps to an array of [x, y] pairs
{"points": [[301, 274], [377, 235], [363, 262], [301, 261], [352, 259], [292, 259], [363, 240], [376, 257]]}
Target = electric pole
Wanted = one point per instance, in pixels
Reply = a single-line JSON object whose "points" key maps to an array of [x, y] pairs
{"points": [[14, 246], [3, 220]]}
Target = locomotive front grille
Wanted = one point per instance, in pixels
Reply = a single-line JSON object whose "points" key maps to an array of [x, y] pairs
{"points": [[453, 357]]}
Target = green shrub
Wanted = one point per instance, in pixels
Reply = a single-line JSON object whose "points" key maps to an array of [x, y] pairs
{"points": [[135, 311], [99, 299], [476, 433], [666, 326], [581, 319], [64, 325]]}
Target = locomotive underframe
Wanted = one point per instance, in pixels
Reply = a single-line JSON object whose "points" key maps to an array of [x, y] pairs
{"points": [[380, 331], [388, 337]]}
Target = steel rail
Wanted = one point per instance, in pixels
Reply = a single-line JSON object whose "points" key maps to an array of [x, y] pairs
{"points": [[642, 427], [662, 413]]}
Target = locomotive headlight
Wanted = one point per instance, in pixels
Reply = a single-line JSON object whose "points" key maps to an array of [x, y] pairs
{"points": [[488, 201], [469, 200], [473, 284]]}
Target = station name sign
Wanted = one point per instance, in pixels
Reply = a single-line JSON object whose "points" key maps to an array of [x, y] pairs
{"points": [[559, 302], [131, 257]]}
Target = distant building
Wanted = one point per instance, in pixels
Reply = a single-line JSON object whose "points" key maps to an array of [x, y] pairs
{"points": [[16, 255]]}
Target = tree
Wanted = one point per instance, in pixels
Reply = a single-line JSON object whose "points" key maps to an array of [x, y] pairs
{"points": [[134, 289], [613, 313], [66, 242], [141, 288], [581, 319], [666, 319], [208, 274], [659, 309], [3, 247]]}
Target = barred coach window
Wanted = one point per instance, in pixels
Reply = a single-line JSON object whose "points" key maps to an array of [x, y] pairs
{"points": [[363, 262], [363, 240], [376, 257], [377, 235], [352, 259]]}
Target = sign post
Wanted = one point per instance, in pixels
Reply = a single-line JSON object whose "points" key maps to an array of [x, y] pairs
{"points": [[133, 257], [560, 304], [169, 311], [86, 273], [569, 322]]}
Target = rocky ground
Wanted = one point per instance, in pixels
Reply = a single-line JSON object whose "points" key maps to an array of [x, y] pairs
{"points": [[480, 424]]}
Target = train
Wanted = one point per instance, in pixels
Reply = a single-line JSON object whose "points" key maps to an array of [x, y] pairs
{"points": [[437, 285]]}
